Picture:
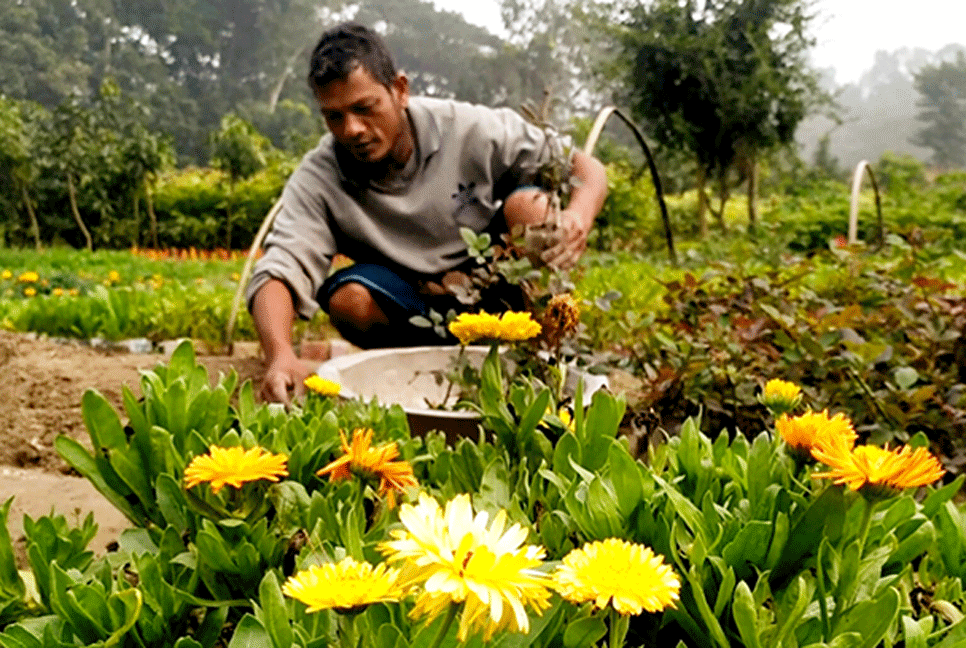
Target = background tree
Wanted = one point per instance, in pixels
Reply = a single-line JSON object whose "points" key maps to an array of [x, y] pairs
{"points": [[240, 151], [942, 103], [723, 80], [19, 125]]}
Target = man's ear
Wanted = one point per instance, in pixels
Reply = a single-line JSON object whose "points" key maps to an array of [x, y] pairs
{"points": [[400, 89]]}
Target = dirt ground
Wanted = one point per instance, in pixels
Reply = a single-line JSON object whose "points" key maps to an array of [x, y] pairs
{"points": [[41, 384]]}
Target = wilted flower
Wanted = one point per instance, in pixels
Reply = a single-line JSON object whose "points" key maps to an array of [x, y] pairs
{"points": [[625, 575], [815, 429], [345, 586], [234, 466], [780, 396], [459, 559], [875, 471], [321, 386], [28, 277], [372, 462], [560, 319]]}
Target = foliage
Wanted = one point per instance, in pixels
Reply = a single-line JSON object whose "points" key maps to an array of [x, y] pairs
{"points": [[942, 100]]}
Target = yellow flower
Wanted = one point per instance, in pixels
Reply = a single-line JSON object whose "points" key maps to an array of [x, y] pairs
{"points": [[235, 276], [6, 274], [114, 276], [372, 462], [28, 277], [816, 430], [876, 471], [57, 292], [628, 576], [345, 586], [780, 396], [234, 466], [459, 559], [321, 386], [29, 291], [508, 327], [73, 292]]}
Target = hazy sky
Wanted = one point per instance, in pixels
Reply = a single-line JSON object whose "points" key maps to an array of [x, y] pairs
{"points": [[849, 32]]}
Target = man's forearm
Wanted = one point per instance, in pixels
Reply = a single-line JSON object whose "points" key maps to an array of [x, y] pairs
{"points": [[273, 313], [590, 187]]}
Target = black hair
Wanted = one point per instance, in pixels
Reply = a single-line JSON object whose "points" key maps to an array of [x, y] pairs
{"points": [[344, 48]]}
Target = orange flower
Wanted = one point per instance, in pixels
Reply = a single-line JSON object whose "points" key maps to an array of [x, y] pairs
{"points": [[816, 430], [372, 462], [233, 467], [876, 471]]}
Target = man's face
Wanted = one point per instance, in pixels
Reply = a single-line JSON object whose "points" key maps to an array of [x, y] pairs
{"points": [[364, 116]]}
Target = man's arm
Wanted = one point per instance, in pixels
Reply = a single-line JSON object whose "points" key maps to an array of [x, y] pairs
{"points": [[273, 312], [589, 181]]}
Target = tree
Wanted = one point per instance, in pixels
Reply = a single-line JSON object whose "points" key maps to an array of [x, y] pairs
{"points": [[942, 103], [240, 151], [723, 80], [18, 134]]}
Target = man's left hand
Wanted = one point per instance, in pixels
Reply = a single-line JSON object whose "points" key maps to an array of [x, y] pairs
{"points": [[565, 254]]}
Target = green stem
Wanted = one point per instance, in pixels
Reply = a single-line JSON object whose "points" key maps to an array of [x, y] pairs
{"points": [[864, 528], [619, 624], [450, 617]]}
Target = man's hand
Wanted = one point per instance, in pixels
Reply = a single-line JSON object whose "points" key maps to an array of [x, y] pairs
{"points": [[284, 374], [572, 241]]}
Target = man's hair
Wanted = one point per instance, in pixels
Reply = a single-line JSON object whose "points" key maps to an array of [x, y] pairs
{"points": [[344, 48]]}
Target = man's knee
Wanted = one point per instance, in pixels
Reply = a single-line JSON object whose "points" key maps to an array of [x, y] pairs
{"points": [[352, 305], [526, 207]]}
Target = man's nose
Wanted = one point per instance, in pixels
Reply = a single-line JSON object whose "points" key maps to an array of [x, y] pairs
{"points": [[354, 126]]}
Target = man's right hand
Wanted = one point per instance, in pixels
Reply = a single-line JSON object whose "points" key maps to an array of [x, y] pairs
{"points": [[284, 380]]}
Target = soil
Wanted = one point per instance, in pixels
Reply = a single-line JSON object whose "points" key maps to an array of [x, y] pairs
{"points": [[41, 385]]}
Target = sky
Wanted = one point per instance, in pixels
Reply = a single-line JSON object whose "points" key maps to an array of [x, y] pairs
{"points": [[848, 32]]}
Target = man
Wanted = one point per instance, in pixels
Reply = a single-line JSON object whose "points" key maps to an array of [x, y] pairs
{"points": [[390, 187]]}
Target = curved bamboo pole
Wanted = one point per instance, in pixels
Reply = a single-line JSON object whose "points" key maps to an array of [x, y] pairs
{"points": [[247, 270], [854, 203], [591, 142]]}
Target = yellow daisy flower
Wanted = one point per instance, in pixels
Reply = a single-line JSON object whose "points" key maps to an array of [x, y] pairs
{"points": [[234, 466], [627, 576], [6, 274], [458, 559], [345, 586], [28, 277], [321, 386], [780, 396], [57, 292], [372, 462], [815, 429], [508, 327], [114, 276], [29, 291], [73, 292], [876, 471]]}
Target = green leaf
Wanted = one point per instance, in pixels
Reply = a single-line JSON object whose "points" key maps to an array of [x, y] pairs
{"points": [[871, 619], [625, 474], [584, 632], [250, 633], [823, 519], [102, 421], [745, 614], [274, 613], [81, 460], [905, 377]]}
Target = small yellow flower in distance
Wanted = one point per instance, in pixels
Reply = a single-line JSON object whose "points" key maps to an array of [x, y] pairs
{"points": [[57, 292], [878, 472], [73, 292], [458, 559], [346, 586], [234, 466], [28, 277], [29, 291], [394, 476], [235, 276], [114, 276], [780, 396], [6, 274], [815, 429], [319, 385], [627, 576]]}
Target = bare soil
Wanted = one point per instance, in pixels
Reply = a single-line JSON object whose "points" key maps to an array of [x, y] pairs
{"points": [[41, 385]]}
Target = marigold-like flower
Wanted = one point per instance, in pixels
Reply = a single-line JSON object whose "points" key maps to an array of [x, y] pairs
{"points": [[372, 462], [57, 292], [879, 471], [6, 274], [508, 327], [627, 576], [234, 466], [321, 386], [28, 277], [459, 559], [780, 396], [29, 291], [816, 430], [114, 276], [345, 586], [73, 292]]}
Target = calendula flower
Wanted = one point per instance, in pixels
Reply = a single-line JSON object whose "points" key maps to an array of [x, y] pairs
{"points": [[73, 292], [29, 291], [627, 576], [780, 396], [321, 386], [815, 430], [345, 586], [508, 327], [372, 462], [234, 466], [114, 276], [458, 559], [28, 277], [878, 471], [57, 292], [6, 274]]}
